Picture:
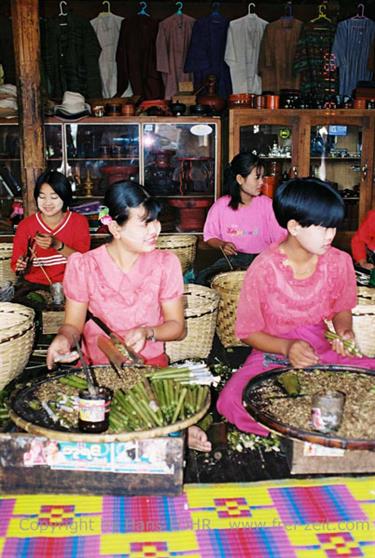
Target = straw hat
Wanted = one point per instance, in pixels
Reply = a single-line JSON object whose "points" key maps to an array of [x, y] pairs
{"points": [[73, 106]]}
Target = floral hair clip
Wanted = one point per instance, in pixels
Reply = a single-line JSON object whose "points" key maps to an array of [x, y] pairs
{"points": [[104, 216]]}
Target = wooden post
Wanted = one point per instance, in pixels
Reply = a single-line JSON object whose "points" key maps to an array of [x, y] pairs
{"points": [[25, 23]]}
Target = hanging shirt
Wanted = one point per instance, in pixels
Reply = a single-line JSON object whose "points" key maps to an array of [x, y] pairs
{"points": [[70, 55], [107, 28], [136, 58], [314, 61], [351, 49], [206, 53], [172, 44], [242, 53], [277, 52]]}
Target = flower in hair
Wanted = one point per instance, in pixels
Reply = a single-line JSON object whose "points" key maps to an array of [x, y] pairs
{"points": [[104, 216]]}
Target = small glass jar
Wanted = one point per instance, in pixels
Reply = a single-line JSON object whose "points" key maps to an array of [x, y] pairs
{"points": [[57, 293], [327, 410], [94, 410], [99, 111]]}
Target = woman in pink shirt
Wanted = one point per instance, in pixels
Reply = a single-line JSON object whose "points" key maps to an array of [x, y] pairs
{"points": [[290, 290], [241, 224], [133, 288]]}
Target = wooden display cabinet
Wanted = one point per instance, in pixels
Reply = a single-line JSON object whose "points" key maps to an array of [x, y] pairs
{"points": [[336, 145]]}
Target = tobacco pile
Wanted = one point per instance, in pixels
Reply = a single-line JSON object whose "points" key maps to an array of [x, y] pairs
{"points": [[295, 411]]}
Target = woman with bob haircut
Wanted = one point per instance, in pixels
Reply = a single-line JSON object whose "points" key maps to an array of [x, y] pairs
{"points": [[135, 289], [241, 224], [44, 240], [290, 290]]}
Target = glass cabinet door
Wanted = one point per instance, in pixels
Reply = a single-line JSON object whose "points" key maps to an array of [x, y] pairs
{"points": [[335, 156], [53, 141], [179, 167], [99, 155], [10, 169], [274, 145]]}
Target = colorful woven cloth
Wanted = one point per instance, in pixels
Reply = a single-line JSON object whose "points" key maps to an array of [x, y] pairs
{"points": [[325, 518]]}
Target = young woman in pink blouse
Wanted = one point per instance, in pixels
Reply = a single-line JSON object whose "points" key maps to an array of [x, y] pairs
{"points": [[288, 292], [133, 288], [240, 224]]}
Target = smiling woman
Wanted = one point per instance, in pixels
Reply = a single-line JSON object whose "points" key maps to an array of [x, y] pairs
{"points": [[44, 240]]}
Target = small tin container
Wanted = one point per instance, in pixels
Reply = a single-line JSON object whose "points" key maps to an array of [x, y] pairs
{"points": [[94, 410], [98, 111], [57, 293], [327, 410]]}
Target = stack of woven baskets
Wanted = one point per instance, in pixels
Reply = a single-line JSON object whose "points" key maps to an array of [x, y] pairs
{"points": [[16, 339], [228, 285], [183, 245], [364, 321], [201, 304]]}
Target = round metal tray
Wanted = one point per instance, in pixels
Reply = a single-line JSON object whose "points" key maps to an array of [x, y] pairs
{"points": [[273, 424], [39, 423]]}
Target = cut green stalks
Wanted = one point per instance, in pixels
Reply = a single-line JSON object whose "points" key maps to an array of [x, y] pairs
{"points": [[349, 344]]}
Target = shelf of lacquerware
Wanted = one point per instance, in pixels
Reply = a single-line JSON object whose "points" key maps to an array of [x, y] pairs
{"points": [[75, 159], [335, 159]]}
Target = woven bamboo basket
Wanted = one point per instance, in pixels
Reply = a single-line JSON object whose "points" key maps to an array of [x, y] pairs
{"points": [[201, 304], [16, 339], [366, 295], [6, 273], [52, 320], [364, 328], [183, 245], [228, 285]]}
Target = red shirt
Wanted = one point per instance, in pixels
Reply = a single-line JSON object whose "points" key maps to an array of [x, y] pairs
{"points": [[73, 231], [364, 237]]}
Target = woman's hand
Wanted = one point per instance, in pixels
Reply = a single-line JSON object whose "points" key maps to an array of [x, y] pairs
{"points": [[366, 264], [135, 338], [59, 351], [21, 264], [229, 249], [338, 345], [44, 240], [301, 354]]}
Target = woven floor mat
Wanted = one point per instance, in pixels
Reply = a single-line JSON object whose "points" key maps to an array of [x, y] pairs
{"points": [[307, 518]]}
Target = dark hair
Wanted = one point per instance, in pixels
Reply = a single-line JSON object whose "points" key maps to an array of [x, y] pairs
{"points": [[309, 201], [243, 163], [122, 196], [59, 184]]}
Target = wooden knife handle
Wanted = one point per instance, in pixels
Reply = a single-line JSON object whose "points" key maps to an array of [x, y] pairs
{"points": [[110, 351]]}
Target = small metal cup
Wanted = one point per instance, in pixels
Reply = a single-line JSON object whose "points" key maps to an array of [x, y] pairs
{"points": [[327, 410], [57, 293]]}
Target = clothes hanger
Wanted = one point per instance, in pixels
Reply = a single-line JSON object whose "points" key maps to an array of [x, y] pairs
{"points": [[321, 14], [179, 5], [360, 12], [250, 6], [62, 13], [142, 11], [215, 8], [103, 13], [288, 11]]}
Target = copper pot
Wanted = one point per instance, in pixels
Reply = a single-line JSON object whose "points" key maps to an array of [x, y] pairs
{"points": [[272, 102], [269, 185], [128, 109]]}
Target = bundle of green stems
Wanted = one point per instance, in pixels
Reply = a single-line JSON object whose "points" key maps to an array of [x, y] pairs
{"points": [[132, 410], [349, 344]]}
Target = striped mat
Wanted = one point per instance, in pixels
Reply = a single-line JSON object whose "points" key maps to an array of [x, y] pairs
{"points": [[328, 518]]}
